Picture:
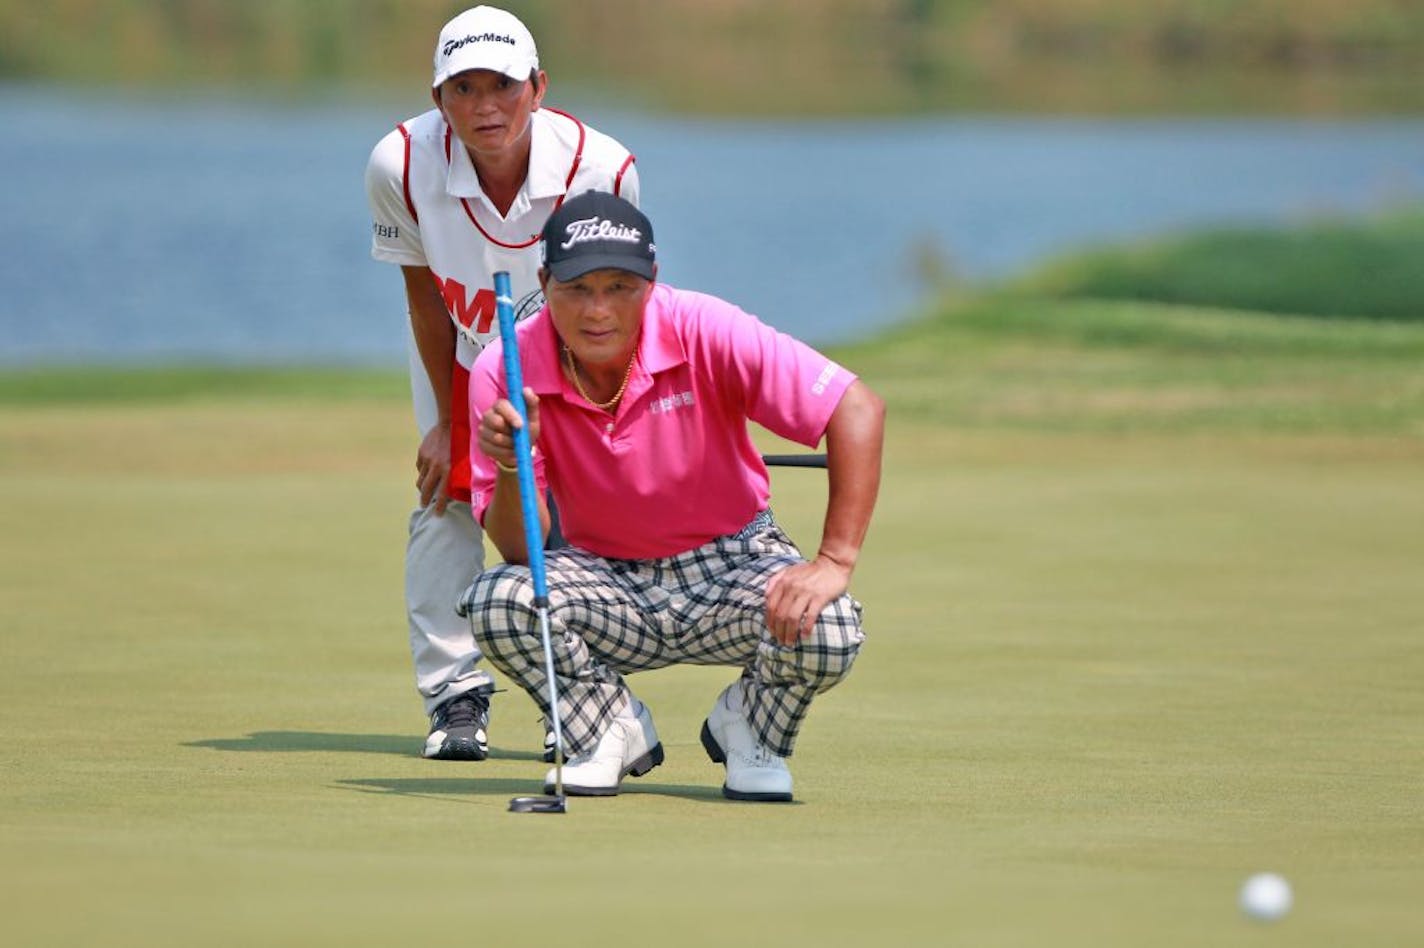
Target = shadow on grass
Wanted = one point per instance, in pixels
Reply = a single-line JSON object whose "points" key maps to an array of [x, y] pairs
{"points": [[442, 787], [400, 745]]}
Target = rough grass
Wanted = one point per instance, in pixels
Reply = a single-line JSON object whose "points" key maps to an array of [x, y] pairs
{"points": [[1013, 361], [790, 58], [1315, 330], [1355, 268]]}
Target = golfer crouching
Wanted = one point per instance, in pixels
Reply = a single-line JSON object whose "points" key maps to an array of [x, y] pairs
{"points": [[638, 397]]}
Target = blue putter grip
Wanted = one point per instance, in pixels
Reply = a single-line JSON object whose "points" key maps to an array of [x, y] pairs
{"points": [[524, 458]]}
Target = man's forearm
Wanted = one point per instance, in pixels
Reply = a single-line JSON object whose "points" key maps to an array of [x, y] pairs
{"points": [[855, 440], [434, 335], [504, 520]]}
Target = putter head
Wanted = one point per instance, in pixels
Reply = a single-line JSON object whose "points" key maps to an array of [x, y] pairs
{"points": [[544, 804]]}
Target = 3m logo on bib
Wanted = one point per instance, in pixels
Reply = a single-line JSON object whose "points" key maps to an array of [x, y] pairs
{"points": [[477, 314]]}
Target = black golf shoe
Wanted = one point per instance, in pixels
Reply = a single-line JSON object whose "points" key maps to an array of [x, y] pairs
{"points": [[459, 728]]}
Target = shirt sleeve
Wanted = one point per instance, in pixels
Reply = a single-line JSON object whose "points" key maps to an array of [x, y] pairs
{"points": [[395, 234], [487, 387], [776, 380]]}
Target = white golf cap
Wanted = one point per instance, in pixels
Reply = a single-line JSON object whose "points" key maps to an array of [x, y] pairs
{"points": [[485, 38]]}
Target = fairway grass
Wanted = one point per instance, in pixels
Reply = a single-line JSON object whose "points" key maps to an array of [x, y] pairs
{"points": [[1108, 675]]}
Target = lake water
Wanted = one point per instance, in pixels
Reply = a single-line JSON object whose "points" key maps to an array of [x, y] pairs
{"points": [[231, 231]]}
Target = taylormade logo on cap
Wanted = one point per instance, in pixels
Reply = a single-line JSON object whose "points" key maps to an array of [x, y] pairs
{"points": [[592, 228], [454, 44]]}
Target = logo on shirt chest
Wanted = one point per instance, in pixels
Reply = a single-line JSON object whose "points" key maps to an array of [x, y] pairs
{"points": [[671, 403]]}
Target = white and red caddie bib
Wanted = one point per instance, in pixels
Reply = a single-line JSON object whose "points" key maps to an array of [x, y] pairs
{"points": [[428, 209]]}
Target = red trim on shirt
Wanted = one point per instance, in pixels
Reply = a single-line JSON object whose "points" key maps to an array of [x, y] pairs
{"points": [[470, 213], [618, 180], [457, 485], [405, 174], [578, 154], [573, 169]]}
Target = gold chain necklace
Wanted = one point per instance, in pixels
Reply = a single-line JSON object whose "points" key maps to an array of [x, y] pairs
{"points": [[601, 406]]}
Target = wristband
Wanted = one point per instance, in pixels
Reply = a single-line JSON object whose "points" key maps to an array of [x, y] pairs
{"points": [[533, 453]]}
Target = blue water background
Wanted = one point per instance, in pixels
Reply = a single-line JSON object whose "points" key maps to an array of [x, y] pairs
{"points": [[236, 231]]}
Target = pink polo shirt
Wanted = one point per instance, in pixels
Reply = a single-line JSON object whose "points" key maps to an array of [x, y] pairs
{"points": [[675, 466]]}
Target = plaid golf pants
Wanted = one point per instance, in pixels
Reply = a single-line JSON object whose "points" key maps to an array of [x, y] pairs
{"points": [[608, 617]]}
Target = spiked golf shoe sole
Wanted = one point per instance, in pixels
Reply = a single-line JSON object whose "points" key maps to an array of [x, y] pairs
{"points": [[455, 748]]}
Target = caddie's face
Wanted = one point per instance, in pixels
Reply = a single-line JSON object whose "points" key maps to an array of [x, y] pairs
{"points": [[489, 111], [598, 315]]}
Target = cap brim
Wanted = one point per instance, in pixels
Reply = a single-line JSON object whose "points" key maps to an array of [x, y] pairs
{"points": [[518, 70], [575, 267]]}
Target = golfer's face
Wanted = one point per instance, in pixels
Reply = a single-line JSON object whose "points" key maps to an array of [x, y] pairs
{"points": [[598, 314], [488, 110]]}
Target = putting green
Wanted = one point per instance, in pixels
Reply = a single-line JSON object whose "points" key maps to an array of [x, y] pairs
{"points": [[1106, 679]]}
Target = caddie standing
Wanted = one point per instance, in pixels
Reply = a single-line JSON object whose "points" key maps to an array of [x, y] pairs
{"points": [[458, 193]]}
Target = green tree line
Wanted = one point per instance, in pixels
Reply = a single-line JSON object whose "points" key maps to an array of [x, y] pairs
{"points": [[792, 56]]}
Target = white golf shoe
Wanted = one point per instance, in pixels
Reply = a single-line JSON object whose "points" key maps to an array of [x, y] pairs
{"points": [[754, 772], [629, 746]]}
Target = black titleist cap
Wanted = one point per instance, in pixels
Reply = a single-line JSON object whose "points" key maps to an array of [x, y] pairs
{"points": [[598, 231]]}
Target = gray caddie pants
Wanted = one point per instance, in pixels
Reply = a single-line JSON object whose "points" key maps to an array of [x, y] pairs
{"points": [[441, 555]]}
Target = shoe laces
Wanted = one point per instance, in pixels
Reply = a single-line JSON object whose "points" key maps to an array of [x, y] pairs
{"points": [[759, 755], [762, 756], [467, 710]]}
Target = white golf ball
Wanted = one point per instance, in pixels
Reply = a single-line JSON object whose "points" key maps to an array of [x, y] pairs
{"points": [[1266, 897]]}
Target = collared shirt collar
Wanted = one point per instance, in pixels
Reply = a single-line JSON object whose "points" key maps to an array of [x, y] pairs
{"points": [[661, 345]]}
